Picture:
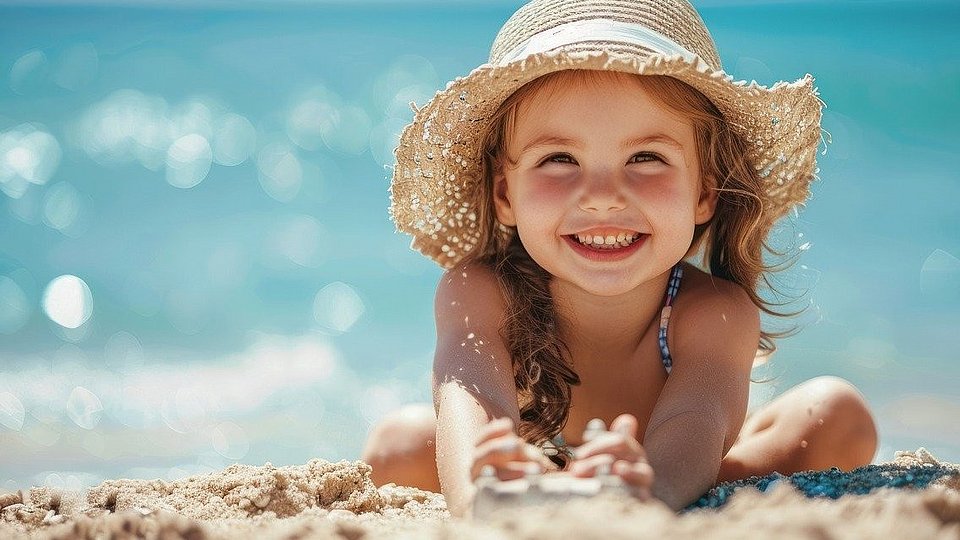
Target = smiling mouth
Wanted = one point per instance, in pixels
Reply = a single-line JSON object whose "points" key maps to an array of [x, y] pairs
{"points": [[607, 242]]}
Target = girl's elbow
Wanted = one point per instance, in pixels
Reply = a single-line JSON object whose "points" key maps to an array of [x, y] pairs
{"points": [[677, 499]]}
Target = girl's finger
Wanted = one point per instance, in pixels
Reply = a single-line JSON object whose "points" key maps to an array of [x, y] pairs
{"points": [[504, 451], [495, 428], [516, 469], [500, 449], [617, 444], [639, 475], [510, 471], [587, 467], [625, 424]]}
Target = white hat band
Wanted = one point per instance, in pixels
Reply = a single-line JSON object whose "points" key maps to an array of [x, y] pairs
{"points": [[597, 30]]}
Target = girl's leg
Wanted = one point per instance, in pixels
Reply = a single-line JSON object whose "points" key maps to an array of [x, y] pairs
{"points": [[821, 423], [402, 449]]}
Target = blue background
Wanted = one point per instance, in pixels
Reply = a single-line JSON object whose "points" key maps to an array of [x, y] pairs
{"points": [[269, 312]]}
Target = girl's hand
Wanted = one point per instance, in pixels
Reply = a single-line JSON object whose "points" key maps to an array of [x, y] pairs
{"points": [[509, 455], [617, 451]]}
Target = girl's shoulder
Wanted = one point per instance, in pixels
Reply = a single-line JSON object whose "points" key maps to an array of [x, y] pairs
{"points": [[469, 290], [701, 290], [710, 313]]}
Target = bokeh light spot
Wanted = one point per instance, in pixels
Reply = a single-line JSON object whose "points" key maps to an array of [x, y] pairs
{"points": [[61, 206], [315, 113], [281, 173], [14, 306], [940, 276], [185, 411], [84, 408], [188, 161], [65, 481], [26, 208], [192, 117], [299, 239], [21, 160], [349, 133], [44, 434], [123, 351], [409, 78], [11, 411], [234, 140], [230, 441], [384, 138], [28, 72], [337, 307], [67, 301], [77, 66], [379, 400], [28, 155], [126, 126], [130, 126]]}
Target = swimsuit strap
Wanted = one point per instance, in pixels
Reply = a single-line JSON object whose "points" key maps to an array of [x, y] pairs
{"points": [[673, 286]]}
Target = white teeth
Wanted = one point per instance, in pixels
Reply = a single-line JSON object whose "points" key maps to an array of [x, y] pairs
{"points": [[608, 242]]}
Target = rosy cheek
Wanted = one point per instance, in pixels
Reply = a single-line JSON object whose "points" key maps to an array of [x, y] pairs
{"points": [[544, 192], [662, 189]]}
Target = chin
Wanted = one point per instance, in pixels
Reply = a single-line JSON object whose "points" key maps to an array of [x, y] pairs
{"points": [[608, 291], [598, 286]]}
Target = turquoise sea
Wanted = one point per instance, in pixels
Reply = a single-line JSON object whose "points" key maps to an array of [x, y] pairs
{"points": [[197, 266]]}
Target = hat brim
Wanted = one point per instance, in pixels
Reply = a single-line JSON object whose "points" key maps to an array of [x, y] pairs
{"points": [[439, 153]]}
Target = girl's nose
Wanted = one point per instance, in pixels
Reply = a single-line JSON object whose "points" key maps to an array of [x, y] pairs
{"points": [[601, 193]]}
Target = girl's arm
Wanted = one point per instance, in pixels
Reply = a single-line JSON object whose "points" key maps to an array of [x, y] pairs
{"points": [[704, 402], [472, 378]]}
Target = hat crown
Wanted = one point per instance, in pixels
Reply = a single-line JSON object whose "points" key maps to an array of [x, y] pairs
{"points": [[674, 19]]}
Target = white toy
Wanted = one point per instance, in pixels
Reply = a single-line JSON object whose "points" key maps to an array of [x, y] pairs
{"points": [[535, 488]]}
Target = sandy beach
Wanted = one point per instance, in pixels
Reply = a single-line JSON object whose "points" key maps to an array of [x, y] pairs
{"points": [[921, 499]]}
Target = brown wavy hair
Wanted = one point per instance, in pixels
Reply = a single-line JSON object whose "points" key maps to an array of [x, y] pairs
{"points": [[732, 246]]}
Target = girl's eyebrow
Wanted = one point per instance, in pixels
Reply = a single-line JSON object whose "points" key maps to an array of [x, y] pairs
{"points": [[548, 140], [553, 140], [661, 138]]}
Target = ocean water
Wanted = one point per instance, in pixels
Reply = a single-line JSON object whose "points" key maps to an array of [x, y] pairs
{"points": [[197, 266]]}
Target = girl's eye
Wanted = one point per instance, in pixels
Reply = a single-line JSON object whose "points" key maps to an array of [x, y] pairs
{"points": [[560, 158], [644, 157]]}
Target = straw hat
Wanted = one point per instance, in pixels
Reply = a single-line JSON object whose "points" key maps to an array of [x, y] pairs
{"points": [[439, 157]]}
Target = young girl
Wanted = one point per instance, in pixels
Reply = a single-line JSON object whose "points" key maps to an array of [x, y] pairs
{"points": [[601, 194]]}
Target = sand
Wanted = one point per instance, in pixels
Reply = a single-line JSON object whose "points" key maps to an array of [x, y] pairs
{"points": [[337, 500]]}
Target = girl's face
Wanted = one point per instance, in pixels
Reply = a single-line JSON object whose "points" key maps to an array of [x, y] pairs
{"points": [[602, 182]]}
